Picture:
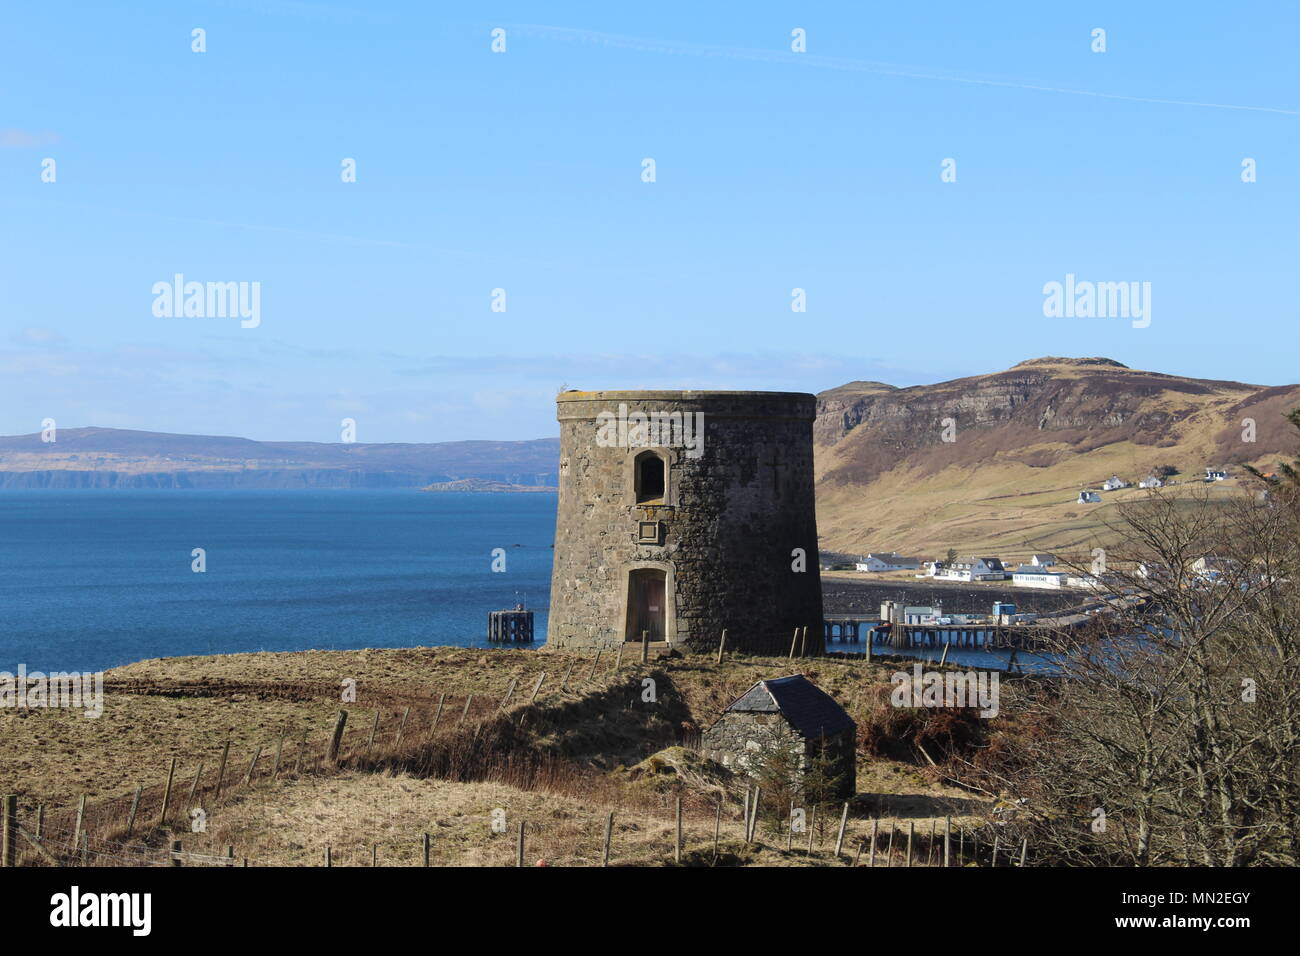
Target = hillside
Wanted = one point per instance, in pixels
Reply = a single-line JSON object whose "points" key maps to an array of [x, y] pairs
{"points": [[119, 458], [1027, 440]]}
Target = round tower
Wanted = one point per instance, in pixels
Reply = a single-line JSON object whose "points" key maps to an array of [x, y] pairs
{"points": [[684, 513]]}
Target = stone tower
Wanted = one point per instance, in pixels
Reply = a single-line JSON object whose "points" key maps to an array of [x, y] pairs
{"points": [[683, 513]]}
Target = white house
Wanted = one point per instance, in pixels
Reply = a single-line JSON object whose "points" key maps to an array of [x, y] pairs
{"points": [[1042, 560], [1215, 474], [1151, 481], [1114, 483], [893, 561], [1038, 576], [1212, 567], [1153, 571], [1089, 498], [976, 569]]}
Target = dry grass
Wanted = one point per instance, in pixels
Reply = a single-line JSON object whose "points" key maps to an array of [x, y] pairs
{"points": [[561, 763]]}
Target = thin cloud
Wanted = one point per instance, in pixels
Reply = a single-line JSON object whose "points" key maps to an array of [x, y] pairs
{"points": [[13, 138], [677, 48]]}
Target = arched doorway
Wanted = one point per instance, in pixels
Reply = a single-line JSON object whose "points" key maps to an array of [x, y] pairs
{"points": [[646, 603]]}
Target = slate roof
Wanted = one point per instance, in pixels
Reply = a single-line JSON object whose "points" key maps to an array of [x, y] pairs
{"points": [[810, 710]]}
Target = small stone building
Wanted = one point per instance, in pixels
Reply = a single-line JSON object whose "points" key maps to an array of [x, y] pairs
{"points": [[791, 712]]}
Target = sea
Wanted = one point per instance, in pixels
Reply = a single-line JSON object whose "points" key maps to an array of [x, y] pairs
{"points": [[91, 579]]}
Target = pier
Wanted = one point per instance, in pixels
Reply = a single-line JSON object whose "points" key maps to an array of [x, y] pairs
{"points": [[862, 628], [510, 627]]}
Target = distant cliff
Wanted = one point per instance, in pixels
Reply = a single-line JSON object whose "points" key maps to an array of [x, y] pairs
{"points": [[997, 461], [119, 458]]}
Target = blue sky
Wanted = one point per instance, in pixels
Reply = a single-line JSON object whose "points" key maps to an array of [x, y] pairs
{"points": [[522, 170]]}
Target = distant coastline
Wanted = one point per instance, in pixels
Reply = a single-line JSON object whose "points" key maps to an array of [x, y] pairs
{"points": [[483, 485]]}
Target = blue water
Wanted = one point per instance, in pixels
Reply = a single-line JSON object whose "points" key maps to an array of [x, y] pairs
{"points": [[990, 659], [92, 579]]}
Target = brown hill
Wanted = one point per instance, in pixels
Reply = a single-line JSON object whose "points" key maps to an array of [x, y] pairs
{"points": [[1025, 442]]}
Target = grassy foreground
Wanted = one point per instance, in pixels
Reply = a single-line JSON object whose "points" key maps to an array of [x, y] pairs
{"points": [[561, 762]]}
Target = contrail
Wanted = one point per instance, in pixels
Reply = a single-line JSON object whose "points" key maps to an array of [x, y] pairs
{"points": [[675, 48]]}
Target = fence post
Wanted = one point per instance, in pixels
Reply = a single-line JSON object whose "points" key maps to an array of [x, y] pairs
{"points": [[995, 851], [9, 831], [645, 646], [536, 687], [401, 728], [175, 854], [332, 755], [442, 698], [194, 787], [514, 680], [167, 793], [875, 829], [81, 818], [374, 725], [40, 820], [844, 820], [609, 837], [135, 805], [722, 645], [248, 777], [426, 849], [794, 640], [564, 681], [221, 770], [911, 832], [812, 828], [717, 830], [677, 843], [1024, 849], [947, 841], [519, 856], [329, 857]]}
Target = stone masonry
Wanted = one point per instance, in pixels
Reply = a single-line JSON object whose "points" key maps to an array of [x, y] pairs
{"points": [[718, 545]]}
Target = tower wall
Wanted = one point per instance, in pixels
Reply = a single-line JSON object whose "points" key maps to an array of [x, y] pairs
{"points": [[721, 536]]}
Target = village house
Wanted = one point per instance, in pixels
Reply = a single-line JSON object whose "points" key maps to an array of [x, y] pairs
{"points": [[1114, 483], [1042, 560], [1036, 576], [974, 569], [1216, 474], [786, 712], [1089, 498], [891, 561], [1151, 481], [1213, 567]]}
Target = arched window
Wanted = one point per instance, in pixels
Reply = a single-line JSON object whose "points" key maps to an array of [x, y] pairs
{"points": [[651, 478]]}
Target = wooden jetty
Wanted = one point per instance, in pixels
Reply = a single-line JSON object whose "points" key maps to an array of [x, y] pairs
{"points": [[510, 627], [974, 635]]}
